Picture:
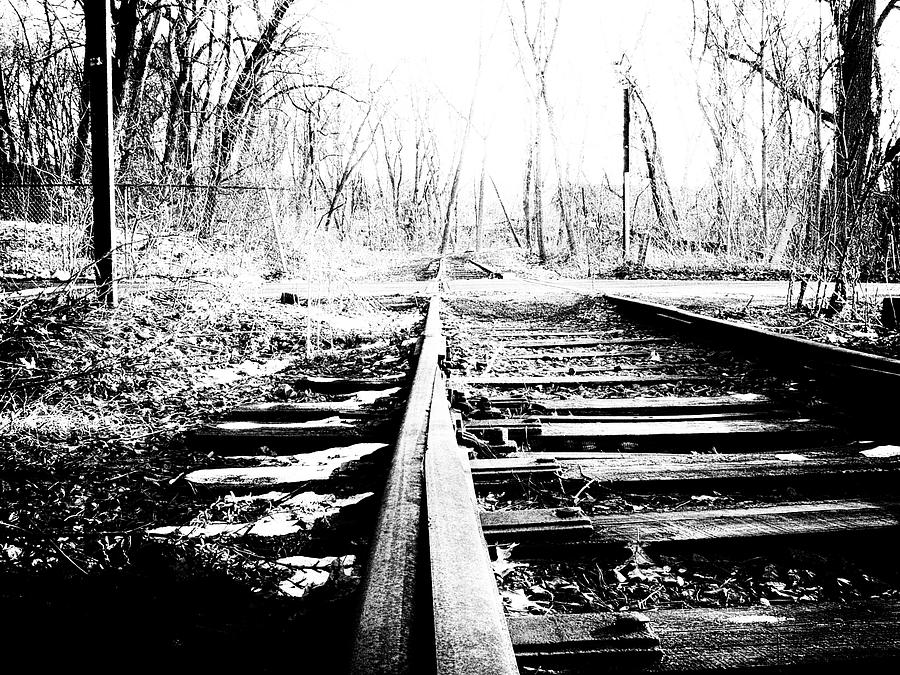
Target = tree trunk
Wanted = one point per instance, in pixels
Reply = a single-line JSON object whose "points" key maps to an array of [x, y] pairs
{"points": [[663, 203], [506, 215], [178, 148], [568, 226], [479, 211], [126, 21], [538, 181], [80, 142], [454, 186], [177, 49], [526, 199], [538, 201], [764, 157], [8, 154], [185, 143], [850, 186], [889, 221], [129, 110]]}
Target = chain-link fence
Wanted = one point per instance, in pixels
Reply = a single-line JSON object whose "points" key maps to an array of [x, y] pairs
{"points": [[47, 225]]}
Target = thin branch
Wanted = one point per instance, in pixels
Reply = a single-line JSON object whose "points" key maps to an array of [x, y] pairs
{"points": [[793, 92], [892, 5]]}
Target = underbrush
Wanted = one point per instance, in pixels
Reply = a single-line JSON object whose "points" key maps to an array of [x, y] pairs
{"points": [[153, 250], [96, 405], [97, 410], [607, 263]]}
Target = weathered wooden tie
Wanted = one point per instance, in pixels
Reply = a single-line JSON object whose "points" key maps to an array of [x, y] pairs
{"points": [[535, 525], [537, 420], [344, 385], [789, 638], [662, 405], [729, 434], [788, 520], [645, 468], [583, 342], [297, 412], [507, 381], [585, 354], [485, 470], [287, 437], [313, 466], [602, 640], [549, 333], [295, 513]]}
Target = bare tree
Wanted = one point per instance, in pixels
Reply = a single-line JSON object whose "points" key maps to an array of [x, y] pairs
{"points": [[859, 159], [392, 155], [363, 139], [454, 180], [534, 45], [526, 197], [506, 217], [184, 20], [663, 203], [479, 208]]}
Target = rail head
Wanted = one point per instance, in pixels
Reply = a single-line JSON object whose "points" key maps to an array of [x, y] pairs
{"points": [[470, 629], [764, 342], [388, 632]]}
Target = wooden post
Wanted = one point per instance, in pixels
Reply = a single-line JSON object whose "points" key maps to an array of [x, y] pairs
{"points": [[626, 173], [99, 60], [479, 211]]}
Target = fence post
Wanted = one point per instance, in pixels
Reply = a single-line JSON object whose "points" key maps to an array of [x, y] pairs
{"points": [[97, 44], [128, 234], [626, 173]]}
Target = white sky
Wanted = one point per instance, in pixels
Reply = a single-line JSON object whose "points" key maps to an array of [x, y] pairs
{"points": [[426, 44], [431, 47]]}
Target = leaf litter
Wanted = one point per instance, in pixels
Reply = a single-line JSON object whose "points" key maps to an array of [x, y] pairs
{"points": [[96, 410]]}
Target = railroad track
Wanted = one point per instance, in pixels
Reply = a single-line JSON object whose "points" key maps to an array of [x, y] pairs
{"points": [[614, 485], [459, 267]]}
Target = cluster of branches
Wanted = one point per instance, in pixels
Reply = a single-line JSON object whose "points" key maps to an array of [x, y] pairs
{"points": [[211, 93], [196, 85], [215, 93], [828, 155]]}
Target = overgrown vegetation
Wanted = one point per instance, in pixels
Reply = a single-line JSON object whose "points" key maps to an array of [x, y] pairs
{"points": [[98, 408], [237, 128]]}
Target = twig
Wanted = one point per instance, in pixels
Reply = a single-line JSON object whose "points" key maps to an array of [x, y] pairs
{"points": [[44, 538]]}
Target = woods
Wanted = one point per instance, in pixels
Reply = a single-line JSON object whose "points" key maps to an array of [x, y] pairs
{"points": [[220, 105], [621, 265], [848, 132]]}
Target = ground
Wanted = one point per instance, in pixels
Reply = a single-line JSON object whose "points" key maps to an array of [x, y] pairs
{"points": [[98, 408], [538, 580]]}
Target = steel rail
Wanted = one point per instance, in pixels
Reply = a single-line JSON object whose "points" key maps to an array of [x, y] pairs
{"points": [[471, 635], [784, 348], [430, 475], [390, 628], [494, 274]]}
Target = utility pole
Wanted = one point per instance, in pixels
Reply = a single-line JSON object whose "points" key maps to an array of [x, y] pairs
{"points": [[97, 22], [626, 173]]}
